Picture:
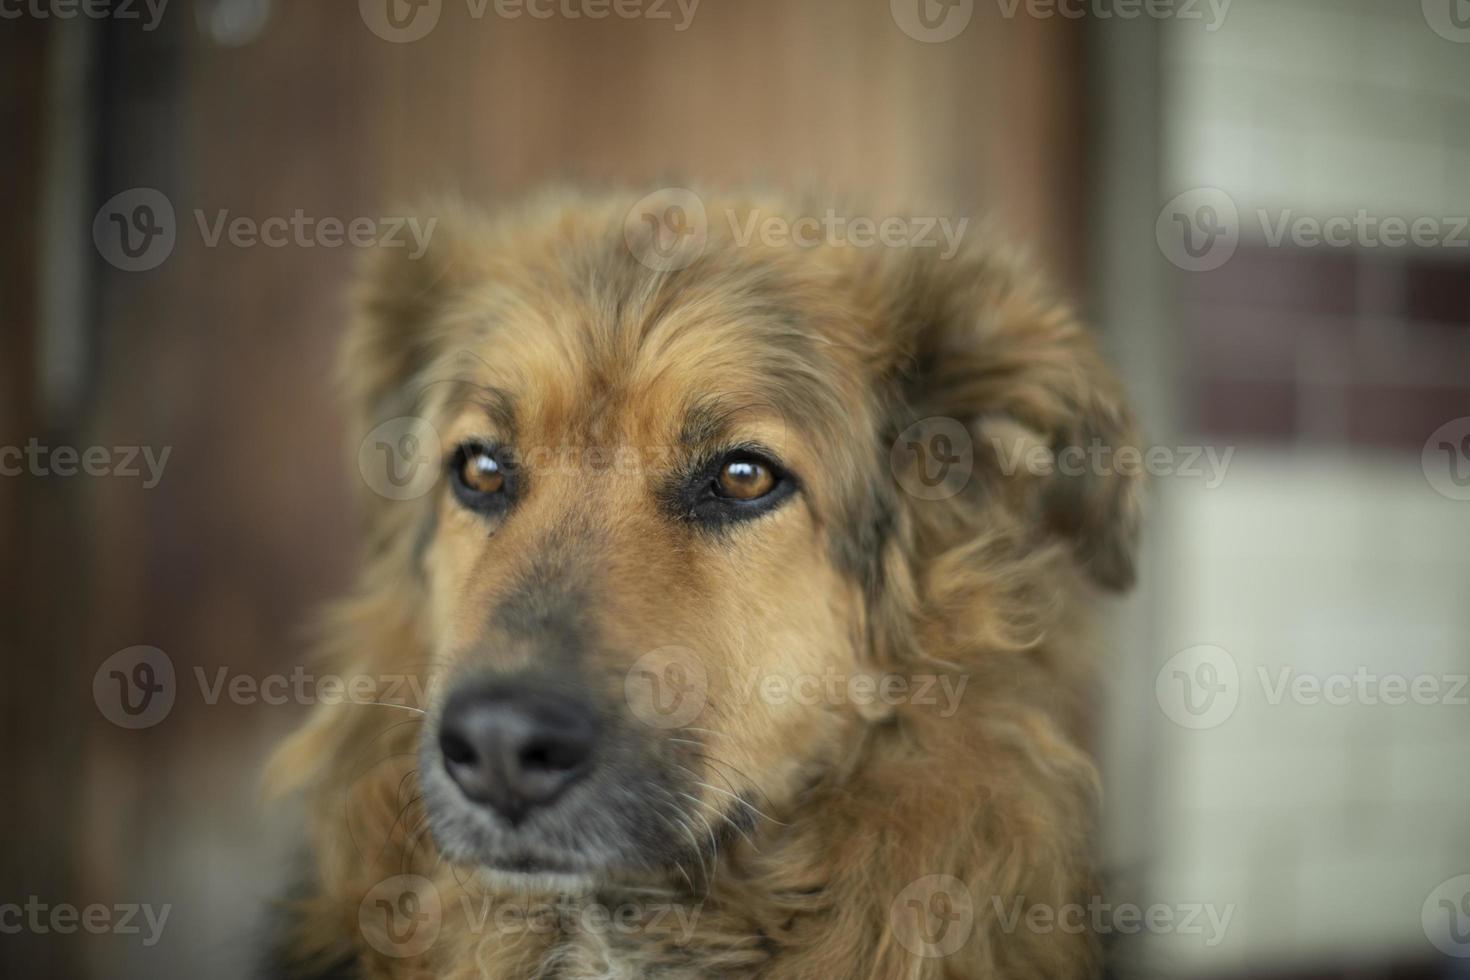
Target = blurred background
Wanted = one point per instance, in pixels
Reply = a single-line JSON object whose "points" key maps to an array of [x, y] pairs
{"points": [[1262, 204]]}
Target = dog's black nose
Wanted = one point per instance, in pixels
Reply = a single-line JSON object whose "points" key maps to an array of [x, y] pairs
{"points": [[515, 749]]}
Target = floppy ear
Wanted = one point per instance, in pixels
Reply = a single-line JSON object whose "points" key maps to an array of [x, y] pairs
{"points": [[398, 300], [981, 341]]}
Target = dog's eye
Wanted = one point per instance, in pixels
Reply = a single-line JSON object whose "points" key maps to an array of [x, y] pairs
{"points": [[744, 478], [737, 485], [480, 472], [479, 475]]}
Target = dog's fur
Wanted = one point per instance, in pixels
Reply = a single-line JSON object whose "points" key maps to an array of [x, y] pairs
{"points": [[786, 832]]}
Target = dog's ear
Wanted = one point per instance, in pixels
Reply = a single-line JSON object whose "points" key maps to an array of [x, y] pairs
{"points": [[401, 295], [981, 341]]}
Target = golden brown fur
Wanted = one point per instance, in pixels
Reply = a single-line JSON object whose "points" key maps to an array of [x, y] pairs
{"points": [[826, 355]]}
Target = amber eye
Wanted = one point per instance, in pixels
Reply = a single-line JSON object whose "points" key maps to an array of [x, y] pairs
{"points": [[739, 484], [745, 479], [480, 477], [480, 472]]}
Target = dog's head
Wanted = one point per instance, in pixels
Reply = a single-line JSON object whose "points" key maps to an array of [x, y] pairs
{"points": [[688, 511]]}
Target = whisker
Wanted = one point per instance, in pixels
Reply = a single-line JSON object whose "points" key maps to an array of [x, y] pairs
{"points": [[351, 784], [711, 760], [707, 731], [663, 816], [393, 826], [714, 843], [368, 747], [737, 799], [679, 866], [406, 777], [729, 792], [391, 704], [704, 871], [416, 837], [723, 816], [683, 826]]}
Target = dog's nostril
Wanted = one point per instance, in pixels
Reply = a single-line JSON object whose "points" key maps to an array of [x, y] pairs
{"points": [[456, 749], [553, 756], [537, 757]]}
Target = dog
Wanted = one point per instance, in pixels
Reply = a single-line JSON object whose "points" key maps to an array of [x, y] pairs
{"points": [[748, 626]]}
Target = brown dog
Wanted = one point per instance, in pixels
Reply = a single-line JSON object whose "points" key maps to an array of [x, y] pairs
{"points": [[750, 631]]}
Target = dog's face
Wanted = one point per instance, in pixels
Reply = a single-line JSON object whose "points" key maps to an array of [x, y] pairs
{"points": [[664, 496], [621, 554]]}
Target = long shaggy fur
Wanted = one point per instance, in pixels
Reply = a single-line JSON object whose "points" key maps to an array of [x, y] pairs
{"points": [[801, 877]]}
